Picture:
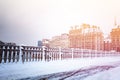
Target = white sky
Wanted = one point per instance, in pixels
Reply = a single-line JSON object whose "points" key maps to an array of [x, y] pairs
{"points": [[27, 21]]}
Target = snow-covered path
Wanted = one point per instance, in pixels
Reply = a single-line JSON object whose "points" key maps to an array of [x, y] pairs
{"points": [[73, 75], [33, 69], [79, 74]]}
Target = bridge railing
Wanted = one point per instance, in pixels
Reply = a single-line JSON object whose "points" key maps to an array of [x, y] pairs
{"points": [[30, 53], [11, 53]]}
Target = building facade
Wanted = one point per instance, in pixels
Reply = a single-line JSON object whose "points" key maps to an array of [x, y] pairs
{"points": [[40, 43], [7, 43], [46, 42], [107, 43], [60, 41], [86, 36], [115, 39]]}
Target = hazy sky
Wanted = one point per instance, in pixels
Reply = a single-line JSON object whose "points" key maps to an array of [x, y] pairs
{"points": [[27, 21]]}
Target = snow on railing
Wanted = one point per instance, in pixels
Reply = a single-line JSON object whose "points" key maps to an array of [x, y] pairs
{"points": [[30, 53], [12, 53]]}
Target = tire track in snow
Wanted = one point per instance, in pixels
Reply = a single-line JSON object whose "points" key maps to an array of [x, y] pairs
{"points": [[76, 74]]}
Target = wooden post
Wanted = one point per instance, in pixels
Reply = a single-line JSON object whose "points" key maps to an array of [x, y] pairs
{"points": [[72, 53], [43, 54], [1, 53], [10, 50], [5, 54], [36, 54], [60, 53], [18, 52], [30, 54], [23, 54], [27, 52], [14, 51]]}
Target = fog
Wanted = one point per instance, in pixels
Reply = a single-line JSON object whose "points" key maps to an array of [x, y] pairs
{"points": [[27, 21]]}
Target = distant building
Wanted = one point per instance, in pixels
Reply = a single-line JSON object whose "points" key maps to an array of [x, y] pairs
{"points": [[115, 38], [60, 41], [107, 43], [7, 43], [11, 43], [40, 44], [86, 37], [46, 42], [2, 43]]}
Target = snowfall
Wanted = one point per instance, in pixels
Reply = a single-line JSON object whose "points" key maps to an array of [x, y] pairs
{"points": [[32, 70]]}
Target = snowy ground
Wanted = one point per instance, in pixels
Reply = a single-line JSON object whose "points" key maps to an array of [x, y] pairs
{"points": [[10, 71], [112, 74]]}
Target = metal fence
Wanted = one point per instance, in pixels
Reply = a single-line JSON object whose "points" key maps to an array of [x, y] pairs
{"points": [[23, 54]]}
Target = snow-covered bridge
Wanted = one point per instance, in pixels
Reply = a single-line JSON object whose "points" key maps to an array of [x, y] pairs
{"points": [[55, 63], [10, 53]]}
